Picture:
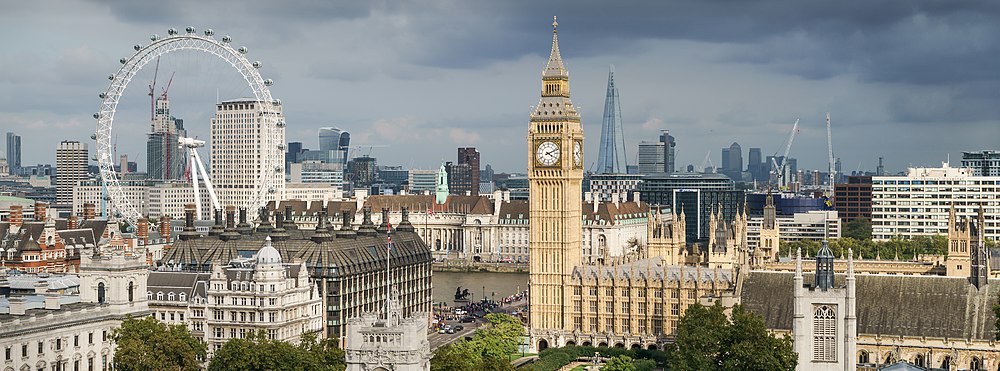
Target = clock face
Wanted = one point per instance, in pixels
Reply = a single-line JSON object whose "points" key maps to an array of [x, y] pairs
{"points": [[547, 153], [577, 154]]}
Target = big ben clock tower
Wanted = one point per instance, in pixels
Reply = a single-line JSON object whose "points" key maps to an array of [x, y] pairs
{"points": [[555, 174]]}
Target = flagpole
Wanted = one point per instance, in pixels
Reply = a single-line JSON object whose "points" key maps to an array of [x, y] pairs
{"points": [[388, 284]]}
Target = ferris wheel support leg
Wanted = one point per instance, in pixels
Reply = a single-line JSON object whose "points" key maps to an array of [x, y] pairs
{"points": [[208, 181], [194, 182]]}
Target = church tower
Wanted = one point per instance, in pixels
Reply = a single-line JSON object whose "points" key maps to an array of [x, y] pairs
{"points": [[769, 237], [824, 318], [555, 175], [958, 262]]}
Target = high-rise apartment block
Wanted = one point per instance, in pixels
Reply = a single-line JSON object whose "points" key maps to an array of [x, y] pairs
{"points": [[469, 156], [917, 204], [165, 160], [853, 200], [651, 157], [71, 168], [983, 163], [669, 156], [14, 153], [241, 147]]}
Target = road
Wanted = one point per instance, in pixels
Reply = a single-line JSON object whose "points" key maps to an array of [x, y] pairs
{"points": [[438, 340]]}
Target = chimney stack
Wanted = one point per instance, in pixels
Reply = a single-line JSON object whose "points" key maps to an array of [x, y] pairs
{"points": [[142, 230], [73, 222], [39, 211], [17, 305], [165, 227], [52, 301], [16, 215], [88, 211], [41, 287], [189, 231]]}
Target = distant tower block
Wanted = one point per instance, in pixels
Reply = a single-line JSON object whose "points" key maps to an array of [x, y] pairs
{"points": [[611, 155]]}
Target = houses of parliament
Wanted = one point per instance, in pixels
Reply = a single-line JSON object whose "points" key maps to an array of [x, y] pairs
{"points": [[843, 314]]}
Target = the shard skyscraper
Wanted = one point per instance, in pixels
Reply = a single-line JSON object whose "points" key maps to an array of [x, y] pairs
{"points": [[611, 156]]}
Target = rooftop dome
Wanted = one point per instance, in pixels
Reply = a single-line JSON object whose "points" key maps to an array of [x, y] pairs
{"points": [[268, 254]]}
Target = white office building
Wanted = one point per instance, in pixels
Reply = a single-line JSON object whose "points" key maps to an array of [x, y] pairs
{"points": [[71, 168], [239, 146], [421, 181], [811, 225], [917, 204]]}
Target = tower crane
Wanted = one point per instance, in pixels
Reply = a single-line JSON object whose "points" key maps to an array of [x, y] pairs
{"points": [[829, 148], [780, 170], [707, 161]]}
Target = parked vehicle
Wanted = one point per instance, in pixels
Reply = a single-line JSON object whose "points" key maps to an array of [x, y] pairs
{"points": [[458, 328], [468, 319]]}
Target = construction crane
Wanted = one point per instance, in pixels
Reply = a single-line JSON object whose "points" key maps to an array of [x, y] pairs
{"points": [[829, 148], [152, 91], [780, 170], [707, 161]]}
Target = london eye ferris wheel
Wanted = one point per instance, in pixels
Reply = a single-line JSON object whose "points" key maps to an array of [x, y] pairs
{"points": [[271, 126]]}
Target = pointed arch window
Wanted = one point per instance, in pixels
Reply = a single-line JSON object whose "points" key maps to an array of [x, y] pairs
{"points": [[825, 333], [131, 291], [100, 293]]}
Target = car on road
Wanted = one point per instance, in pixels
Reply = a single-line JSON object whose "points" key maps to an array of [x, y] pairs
{"points": [[458, 328], [450, 331], [442, 330], [468, 319]]}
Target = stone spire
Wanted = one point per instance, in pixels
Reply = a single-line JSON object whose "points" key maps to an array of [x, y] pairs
{"points": [[555, 67]]}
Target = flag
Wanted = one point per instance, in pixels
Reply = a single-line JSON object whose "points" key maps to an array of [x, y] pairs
{"points": [[430, 211]]}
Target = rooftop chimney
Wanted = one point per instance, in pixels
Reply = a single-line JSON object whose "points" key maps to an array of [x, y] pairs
{"points": [[17, 305], [41, 287], [52, 301], [289, 223], [244, 227], [404, 222], [322, 234], [230, 232], [189, 231], [265, 223], [165, 228], [142, 230], [16, 215], [279, 233], [367, 228], [39, 211], [345, 229], [73, 222], [217, 228], [88, 211]]}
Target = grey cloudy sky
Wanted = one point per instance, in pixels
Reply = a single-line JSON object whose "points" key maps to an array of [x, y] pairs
{"points": [[912, 81]]}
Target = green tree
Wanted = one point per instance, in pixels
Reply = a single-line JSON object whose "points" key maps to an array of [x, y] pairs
{"points": [[619, 363], [489, 349], [859, 229], [707, 340], [148, 344], [259, 352]]}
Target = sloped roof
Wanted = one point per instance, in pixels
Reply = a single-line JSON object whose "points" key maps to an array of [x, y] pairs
{"points": [[890, 305]]}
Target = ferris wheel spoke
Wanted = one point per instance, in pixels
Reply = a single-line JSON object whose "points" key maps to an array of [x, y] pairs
{"points": [[175, 41]]}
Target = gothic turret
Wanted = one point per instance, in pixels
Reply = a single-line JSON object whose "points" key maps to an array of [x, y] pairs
{"points": [[824, 267]]}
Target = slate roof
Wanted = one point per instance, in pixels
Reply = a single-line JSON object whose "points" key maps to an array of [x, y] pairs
{"points": [[347, 253], [890, 305], [191, 284], [654, 269]]}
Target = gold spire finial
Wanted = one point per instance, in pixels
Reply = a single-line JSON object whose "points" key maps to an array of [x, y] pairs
{"points": [[555, 24]]}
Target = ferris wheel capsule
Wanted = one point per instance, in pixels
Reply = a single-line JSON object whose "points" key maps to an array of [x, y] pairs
{"points": [[122, 61], [94, 157], [137, 47], [277, 169], [243, 50], [172, 31], [209, 32], [257, 64], [111, 77], [281, 146], [190, 29], [102, 95], [97, 115], [226, 39], [280, 123], [268, 82], [276, 102], [93, 136], [154, 37], [271, 190]]}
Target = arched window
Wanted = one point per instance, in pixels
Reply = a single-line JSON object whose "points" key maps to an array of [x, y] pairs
{"points": [[131, 290], [159, 295], [825, 334], [863, 357], [183, 296], [920, 361], [149, 295], [946, 362], [100, 293], [170, 296], [976, 364]]}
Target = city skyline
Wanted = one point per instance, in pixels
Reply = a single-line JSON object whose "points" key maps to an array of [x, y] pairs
{"points": [[904, 81]]}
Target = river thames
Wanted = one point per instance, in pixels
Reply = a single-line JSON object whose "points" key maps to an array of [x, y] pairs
{"points": [[496, 285]]}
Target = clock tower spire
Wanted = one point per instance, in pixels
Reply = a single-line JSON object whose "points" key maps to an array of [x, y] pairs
{"points": [[555, 175]]}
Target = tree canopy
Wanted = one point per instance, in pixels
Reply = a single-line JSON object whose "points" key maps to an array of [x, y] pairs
{"points": [[148, 344], [489, 349], [259, 352], [859, 229], [903, 249], [706, 339]]}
